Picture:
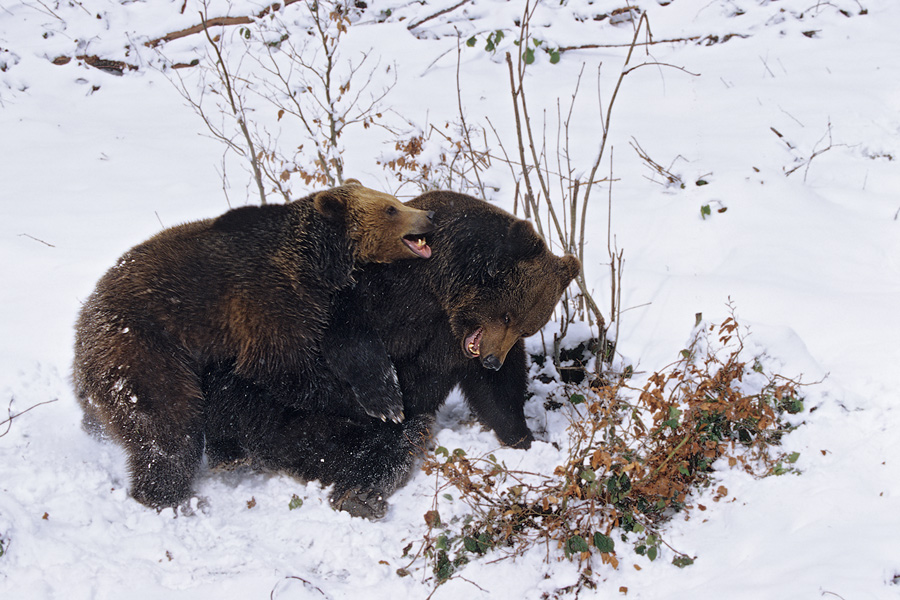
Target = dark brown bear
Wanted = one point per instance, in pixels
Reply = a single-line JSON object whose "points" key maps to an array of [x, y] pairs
{"points": [[254, 287], [455, 320]]}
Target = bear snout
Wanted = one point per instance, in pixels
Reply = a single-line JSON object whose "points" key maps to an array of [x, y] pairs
{"points": [[424, 222], [491, 343], [491, 362]]}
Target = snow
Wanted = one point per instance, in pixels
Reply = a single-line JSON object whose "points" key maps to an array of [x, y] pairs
{"points": [[92, 164]]}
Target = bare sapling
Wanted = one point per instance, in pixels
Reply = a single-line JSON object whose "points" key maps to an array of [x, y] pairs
{"points": [[462, 155], [557, 196], [285, 114], [309, 83]]}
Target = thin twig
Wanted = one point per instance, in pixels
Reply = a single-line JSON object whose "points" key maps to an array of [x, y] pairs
{"points": [[31, 237], [238, 112], [8, 421], [523, 40], [651, 164], [305, 582], [529, 192], [462, 118], [47, 9], [814, 154]]}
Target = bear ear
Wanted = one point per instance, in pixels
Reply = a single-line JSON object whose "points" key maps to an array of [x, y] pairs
{"points": [[522, 241], [569, 269], [331, 204]]}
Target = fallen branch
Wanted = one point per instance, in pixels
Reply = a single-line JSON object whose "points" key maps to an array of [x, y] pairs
{"points": [[214, 22], [692, 38], [217, 22], [115, 67], [412, 26]]}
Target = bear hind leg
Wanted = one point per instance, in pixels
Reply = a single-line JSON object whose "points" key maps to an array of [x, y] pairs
{"points": [[162, 474], [155, 411]]}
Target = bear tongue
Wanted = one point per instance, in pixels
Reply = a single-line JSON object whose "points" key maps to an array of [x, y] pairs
{"points": [[418, 246]]}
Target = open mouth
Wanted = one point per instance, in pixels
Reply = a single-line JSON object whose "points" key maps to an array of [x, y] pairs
{"points": [[418, 245], [472, 344]]}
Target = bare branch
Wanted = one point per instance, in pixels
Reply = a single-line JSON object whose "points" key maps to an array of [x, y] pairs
{"points": [[420, 22], [693, 38], [8, 421], [462, 117], [218, 22], [31, 237], [238, 112]]}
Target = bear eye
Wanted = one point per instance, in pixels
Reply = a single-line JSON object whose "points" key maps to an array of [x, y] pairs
{"points": [[507, 319], [391, 211]]}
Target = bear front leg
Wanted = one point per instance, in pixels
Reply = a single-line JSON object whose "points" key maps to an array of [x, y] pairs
{"points": [[383, 462], [365, 460], [358, 357], [498, 397]]}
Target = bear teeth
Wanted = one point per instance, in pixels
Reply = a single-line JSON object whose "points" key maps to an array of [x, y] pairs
{"points": [[419, 246], [473, 343]]}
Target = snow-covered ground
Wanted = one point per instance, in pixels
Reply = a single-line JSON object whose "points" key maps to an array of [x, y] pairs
{"points": [[92, 163]]}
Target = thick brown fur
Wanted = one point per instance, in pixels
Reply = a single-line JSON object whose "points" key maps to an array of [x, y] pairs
{"points": [[457, 319], [253, 288]]}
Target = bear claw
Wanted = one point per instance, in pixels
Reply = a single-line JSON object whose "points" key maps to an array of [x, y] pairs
{"points": [[393, 414], [380, 405]]}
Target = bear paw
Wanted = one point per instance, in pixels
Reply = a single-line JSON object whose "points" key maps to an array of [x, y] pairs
{"points": [[381, 398], [368, 503]]}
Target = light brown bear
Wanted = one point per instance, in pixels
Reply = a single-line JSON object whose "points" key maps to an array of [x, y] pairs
{"points": [[252, 288]]}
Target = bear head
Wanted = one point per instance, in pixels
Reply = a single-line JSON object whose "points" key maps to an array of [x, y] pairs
{"points": [[497, 278], [527, 283], [383, 228]]}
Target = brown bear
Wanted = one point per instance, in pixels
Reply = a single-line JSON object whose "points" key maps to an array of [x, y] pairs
{"points": [[458, 319], [253, 287]]}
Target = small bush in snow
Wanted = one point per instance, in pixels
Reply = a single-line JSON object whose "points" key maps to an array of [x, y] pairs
{"points": [[633, 459]]}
